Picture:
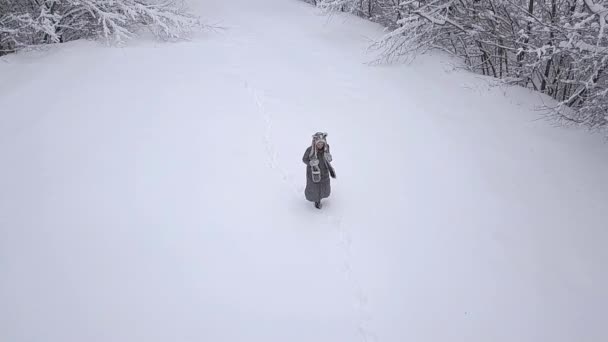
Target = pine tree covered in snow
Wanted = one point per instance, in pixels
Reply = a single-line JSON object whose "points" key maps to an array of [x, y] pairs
{"points": [[31, 22], [558, 47]]}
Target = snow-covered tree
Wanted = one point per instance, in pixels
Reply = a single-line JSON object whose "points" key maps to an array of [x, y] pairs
{"points": [[31, 22], [558, 47]]}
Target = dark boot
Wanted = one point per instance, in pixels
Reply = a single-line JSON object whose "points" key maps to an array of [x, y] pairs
{"points": [[318, 204]]}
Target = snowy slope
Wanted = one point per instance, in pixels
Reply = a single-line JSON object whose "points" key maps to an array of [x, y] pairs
{"points": [[154, 193]]}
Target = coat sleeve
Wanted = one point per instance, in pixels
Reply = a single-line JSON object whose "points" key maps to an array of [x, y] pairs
{"points": [[332, 172], [306, 158], [328, 155]]}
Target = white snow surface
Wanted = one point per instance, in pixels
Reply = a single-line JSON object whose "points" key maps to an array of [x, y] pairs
{"points": [[154, 192]]}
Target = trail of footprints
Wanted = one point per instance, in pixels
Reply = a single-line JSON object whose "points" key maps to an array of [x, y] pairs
{"points": [[270, 148], [345, 239], [361, 299]]}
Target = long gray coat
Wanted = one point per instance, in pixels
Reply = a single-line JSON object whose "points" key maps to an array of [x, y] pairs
{"points": [[316, 191]]}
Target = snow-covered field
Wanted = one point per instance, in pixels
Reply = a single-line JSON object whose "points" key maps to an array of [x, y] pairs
{"points": [[155, 193]]}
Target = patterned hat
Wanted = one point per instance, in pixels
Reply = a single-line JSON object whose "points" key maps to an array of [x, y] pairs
{"points": [[319, 136], [316, 138]]}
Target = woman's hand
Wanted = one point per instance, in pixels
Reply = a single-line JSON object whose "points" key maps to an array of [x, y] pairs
{"points": [[314, 162]]}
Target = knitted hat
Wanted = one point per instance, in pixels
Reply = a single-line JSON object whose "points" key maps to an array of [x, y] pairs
{"points": [[319, 137], [316, 138]]}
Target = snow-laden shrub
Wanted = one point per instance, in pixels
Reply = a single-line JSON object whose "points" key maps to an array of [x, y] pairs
{"points": [[31, 22]]}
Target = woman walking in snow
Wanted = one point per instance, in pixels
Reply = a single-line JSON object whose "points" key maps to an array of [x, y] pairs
{"points": [[318, 169]]}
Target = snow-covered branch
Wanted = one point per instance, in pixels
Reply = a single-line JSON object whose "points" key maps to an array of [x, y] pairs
{"points": [[26, 23], [558, 47]]}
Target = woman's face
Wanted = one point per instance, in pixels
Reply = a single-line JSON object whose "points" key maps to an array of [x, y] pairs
{"points": [[320, 145]]}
